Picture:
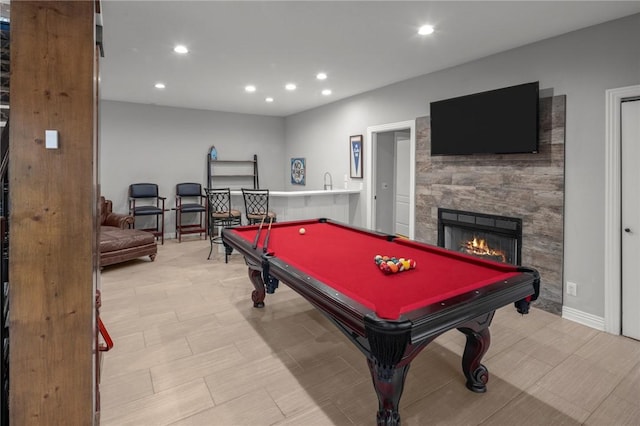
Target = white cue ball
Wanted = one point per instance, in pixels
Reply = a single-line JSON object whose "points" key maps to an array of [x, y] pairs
{"points": [[302, 231]]}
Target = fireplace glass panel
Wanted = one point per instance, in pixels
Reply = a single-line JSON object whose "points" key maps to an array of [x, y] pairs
{"points": [[486, 245]]}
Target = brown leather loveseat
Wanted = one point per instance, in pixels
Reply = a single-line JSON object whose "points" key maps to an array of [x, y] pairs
{"points": [[118, 243]]}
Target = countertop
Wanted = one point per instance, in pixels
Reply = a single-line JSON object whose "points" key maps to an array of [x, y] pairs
{"points": [[317, 192]]}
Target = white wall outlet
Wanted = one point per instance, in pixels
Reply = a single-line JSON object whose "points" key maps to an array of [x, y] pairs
{"points": [[572, 288]]}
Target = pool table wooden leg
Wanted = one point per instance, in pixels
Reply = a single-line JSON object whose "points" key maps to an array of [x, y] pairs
{"points": [[388, 390], [258, 294], [478, 341], [389, 356]]}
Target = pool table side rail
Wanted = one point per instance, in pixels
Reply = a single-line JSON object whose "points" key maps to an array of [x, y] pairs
{"points": [[436, 319]]}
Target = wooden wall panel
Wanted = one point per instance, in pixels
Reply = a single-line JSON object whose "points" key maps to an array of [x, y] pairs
{"points": [[52, 196]]}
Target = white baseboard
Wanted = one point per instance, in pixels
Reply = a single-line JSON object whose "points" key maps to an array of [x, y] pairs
{"points": [[583, 318]]}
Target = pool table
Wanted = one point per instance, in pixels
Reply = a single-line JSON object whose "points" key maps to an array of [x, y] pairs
{"points": [[389, 317]]}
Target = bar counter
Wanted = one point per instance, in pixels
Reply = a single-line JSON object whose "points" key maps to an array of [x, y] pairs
{"points": [[336, 204]]}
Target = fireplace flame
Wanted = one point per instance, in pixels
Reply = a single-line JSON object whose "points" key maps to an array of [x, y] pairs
{"points": [[479, 247]]}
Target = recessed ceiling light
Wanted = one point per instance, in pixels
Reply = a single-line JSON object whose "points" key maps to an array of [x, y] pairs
{"points": [[268, 99], [160, 86], [250, 88], [426, 30], [290, 86], [326, 92], [181, 49], [321, 76]]}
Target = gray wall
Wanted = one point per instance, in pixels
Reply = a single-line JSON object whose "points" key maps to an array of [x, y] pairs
{"points": [[581, 65], [168, 145], [163, 145]]}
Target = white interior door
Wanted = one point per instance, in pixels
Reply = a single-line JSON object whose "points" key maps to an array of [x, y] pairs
{"points": [[384, 182], [630, 150], [402, 184]]}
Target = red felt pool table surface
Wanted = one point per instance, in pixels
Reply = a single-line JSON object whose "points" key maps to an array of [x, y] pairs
{"points": [[343, 258]]}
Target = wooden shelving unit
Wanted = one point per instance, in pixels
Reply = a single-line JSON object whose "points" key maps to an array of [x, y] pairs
{"points": [[233, 174]]}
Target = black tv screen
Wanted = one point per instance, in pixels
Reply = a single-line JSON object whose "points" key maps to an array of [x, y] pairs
{"points": [[502, 121]]}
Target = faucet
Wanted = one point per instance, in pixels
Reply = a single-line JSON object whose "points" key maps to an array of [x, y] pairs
{"points": [[330, 184]]}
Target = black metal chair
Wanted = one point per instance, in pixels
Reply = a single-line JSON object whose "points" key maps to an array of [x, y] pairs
{"points": [[145, 201], [221, 215], [189, 199], [256, 205]]}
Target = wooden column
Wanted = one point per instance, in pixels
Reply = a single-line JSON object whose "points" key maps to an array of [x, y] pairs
{"points": [[53, 197]]}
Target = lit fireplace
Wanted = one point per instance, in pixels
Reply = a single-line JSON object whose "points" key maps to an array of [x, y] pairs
{"points": [[479, 247], [492, 237]]}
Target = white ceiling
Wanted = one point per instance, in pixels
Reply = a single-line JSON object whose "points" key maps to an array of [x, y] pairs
{"points": [[361, 45]]}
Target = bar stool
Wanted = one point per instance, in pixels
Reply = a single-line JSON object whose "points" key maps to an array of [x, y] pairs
{"points": [[221, 215], [189, 199], [145, 201], [256, 205]]}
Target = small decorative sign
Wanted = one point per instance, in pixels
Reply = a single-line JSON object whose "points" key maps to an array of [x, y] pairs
{"points": [[298, 171], [355, 155]]}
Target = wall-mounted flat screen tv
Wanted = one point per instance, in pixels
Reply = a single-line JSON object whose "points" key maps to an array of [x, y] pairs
{"points": [[502, 121]]}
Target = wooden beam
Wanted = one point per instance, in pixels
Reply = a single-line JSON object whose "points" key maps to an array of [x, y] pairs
{"points": [[52, 193]]}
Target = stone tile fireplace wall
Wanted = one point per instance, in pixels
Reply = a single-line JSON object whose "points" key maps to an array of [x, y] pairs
{"points": [[527, 186]]}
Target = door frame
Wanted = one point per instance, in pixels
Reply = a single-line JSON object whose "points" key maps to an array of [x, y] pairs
{"points": [[613, 209], [370, 148]]}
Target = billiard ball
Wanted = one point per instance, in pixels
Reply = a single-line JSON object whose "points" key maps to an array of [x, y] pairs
{"points": [[302, 231]]}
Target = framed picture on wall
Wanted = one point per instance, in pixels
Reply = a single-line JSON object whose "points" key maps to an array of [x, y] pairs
{"points": [[355, 155], [298, 171]]}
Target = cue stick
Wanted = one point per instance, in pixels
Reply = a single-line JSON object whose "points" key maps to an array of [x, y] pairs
{"points": [[255, 242], [266, 239]]}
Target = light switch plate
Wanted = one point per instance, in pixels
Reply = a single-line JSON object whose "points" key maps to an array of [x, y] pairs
{"points": [[51, 139]]}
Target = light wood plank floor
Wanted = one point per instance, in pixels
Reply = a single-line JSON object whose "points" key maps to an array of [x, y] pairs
{"points": [[190, 349]]}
